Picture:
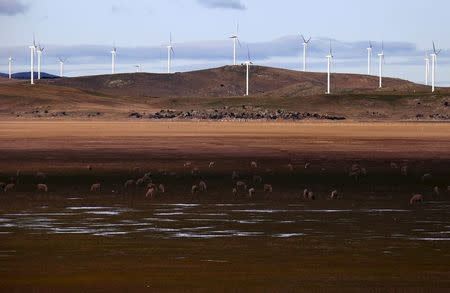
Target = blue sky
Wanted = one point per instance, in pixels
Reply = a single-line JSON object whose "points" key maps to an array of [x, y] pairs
{"points": [[84, 32]]}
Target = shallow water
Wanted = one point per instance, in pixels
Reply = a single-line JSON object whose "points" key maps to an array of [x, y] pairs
{"points": [[429, 222]]}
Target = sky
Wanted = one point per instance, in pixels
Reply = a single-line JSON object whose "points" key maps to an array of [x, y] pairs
{"points": [[85, 31]]}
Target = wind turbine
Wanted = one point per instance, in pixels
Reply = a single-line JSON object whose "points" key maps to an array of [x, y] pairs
{"points": [[329, 59], [10, 61], [433, 66], [369, 58], [61, 66], [138, 68], [381, 63], [113, 60], [305, 48], [40, 49], [235, 39], [427, 68], [32, 52], [247, 64], [170, 51]]}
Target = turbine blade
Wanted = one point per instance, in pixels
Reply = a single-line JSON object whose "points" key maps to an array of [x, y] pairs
{"points": [[434, 48], [239, 42]]}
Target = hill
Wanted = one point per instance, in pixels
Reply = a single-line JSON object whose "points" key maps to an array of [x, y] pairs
{"points": [[26, 75], [229, 81], [218, 93]]}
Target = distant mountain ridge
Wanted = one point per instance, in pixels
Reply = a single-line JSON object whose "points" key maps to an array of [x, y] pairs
{"points": [[26, 75]]}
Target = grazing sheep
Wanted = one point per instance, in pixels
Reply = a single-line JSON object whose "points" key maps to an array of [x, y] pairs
{"points": [[415, 199], [307, 165], [187, 164], [311, 196], [40, 176], [436, 191], [251, 192], [290, 167], [404, 170], [426, 178], [96, 187], [212, 164], [394, 165], [42, 188], [162, 188], [253, 165], [268, 189], [257, 179], [308, 194], [140, 181], [10, 187], [334, 195], [234, 191], [151, 185], [151, 192], [234, 176], [194, 190], [305, 193], [241, 186], [129, 183], [202, 186]]}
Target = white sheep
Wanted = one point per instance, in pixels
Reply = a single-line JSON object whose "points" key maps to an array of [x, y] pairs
{"points": [[96, 187], [404, 170], [334, 195], [194, 189], [42, 188], [415, 199], [202, 186], [253, 165], [212, 164], [10, 187], [251, 192], [151, 192], [436, 191], [162, 188], [394, 165]]}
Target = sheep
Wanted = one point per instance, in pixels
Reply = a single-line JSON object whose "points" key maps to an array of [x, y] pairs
{"points": [[308, 194], [311, 196], [356, 172], [394, 165], [212, 164], [253, 165], [40, 176], [187, 164], [234, 191], [140, 181], [194, 189], [162, 188], [151, 192], [415, 199], [89, 167], [41, 188], [257, 179], [241, 186], [251, 192], [307, 165], [290, 167], [334, 195], [426, 178], [10, 187], [268, 189], [96, 187], [195, 171], [404, 170], [151, 185], [234, 176], [202, 186], [436, 191], [128, 183]]}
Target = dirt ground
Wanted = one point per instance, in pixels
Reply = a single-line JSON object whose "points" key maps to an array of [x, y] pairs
{"points": [[353, 253]]}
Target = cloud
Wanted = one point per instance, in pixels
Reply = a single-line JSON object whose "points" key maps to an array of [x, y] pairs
{"points": [[223, 4], [12, 7]]}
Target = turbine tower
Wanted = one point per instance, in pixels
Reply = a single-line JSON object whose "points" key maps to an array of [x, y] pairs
{"points": [[113, 60], [235, 39], [170, 51], [10, 61], [433, 66], [305, 49], [32, 52], [427, 68], [369, 58], [138, 68], [247, 64], [329, 59], [40, 49], [381, 63], [61, 66]]}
